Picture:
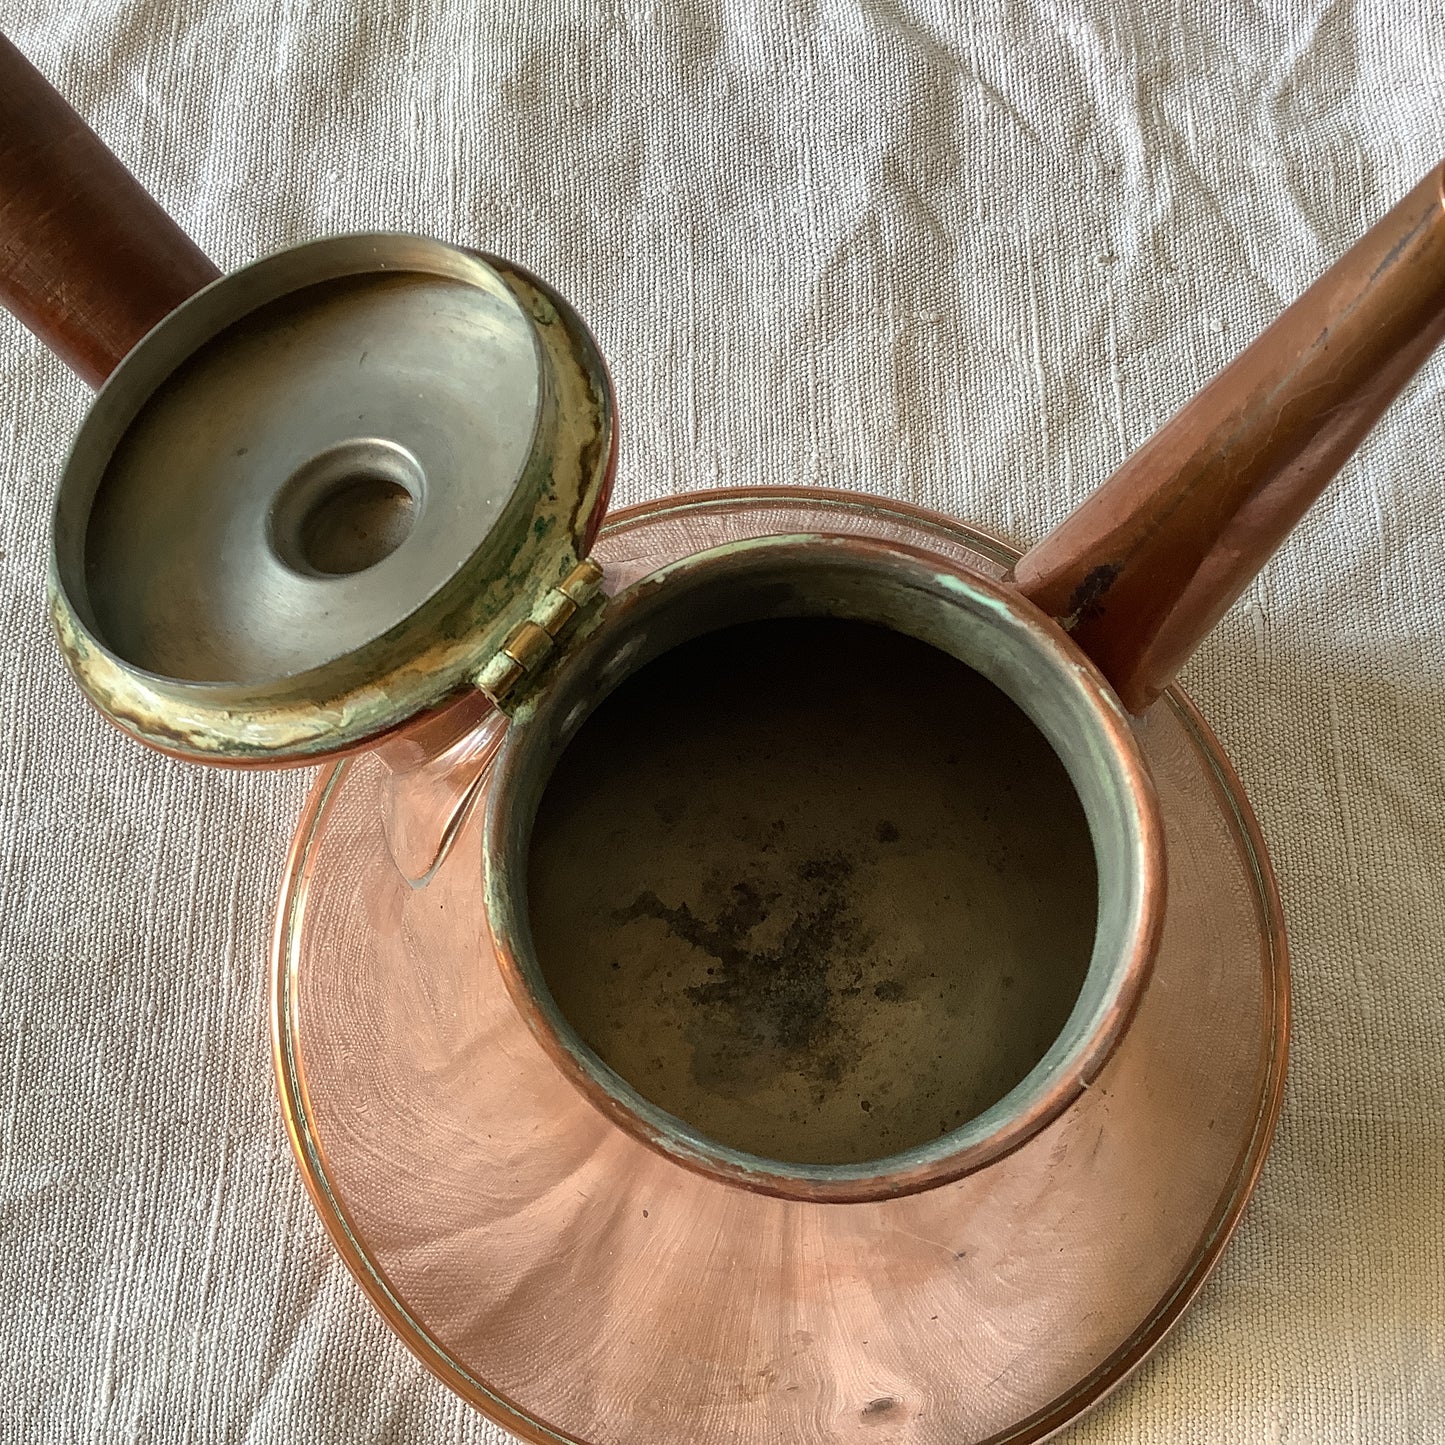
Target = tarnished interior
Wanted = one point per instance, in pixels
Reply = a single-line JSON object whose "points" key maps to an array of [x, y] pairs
{"points": [[814, 887]]}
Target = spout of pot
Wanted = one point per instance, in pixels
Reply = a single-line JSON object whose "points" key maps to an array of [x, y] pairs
{"points": [[88, 261], [1142, 571]]}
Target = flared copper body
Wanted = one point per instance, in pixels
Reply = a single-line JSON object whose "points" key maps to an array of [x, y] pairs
{"points": [[574, 1283]]}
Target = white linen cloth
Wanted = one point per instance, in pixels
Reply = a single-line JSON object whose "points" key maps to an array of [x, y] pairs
{"points": [[967, 253]]}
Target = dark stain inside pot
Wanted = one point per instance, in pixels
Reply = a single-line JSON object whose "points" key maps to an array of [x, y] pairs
{"points": [[816, 888]]}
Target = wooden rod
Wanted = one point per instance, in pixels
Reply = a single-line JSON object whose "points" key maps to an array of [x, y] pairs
{"points": [[1150, 562], [88, 261]]}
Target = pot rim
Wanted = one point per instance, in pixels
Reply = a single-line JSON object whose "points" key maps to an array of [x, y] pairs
{"points": [[1105, 753]]}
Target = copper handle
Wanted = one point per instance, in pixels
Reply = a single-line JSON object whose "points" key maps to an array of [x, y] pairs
{"points": [[88, 261], [1149, 563]]}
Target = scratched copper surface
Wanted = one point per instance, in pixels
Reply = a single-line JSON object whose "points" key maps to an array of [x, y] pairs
{"points": [[576, 1284]]}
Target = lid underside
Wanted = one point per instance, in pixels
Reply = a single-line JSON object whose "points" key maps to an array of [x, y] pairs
{"points": [[317, 498]]}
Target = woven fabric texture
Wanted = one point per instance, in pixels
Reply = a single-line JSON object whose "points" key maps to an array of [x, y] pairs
{"points": [[967, 253]]}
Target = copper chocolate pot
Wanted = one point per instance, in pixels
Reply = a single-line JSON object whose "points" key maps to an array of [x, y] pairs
{"points": [[345, 590]]}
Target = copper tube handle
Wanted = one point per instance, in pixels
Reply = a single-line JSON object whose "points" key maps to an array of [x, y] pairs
{"points": [[1150, 562], [88, 261]]}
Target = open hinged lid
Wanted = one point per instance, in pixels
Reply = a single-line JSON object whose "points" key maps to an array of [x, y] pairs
{"points": [[325, 493]]}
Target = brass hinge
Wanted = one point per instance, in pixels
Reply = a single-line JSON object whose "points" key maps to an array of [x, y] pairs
{"points": [[534, 640]]}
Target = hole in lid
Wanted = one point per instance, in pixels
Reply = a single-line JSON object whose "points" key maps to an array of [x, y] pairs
{"points": [[347, 508], [360, 521]]}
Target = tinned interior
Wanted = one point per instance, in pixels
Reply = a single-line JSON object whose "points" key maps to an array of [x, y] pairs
{"points": [[294, 465], [821, 865]]}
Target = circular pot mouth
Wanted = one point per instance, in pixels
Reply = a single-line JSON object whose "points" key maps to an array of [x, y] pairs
{"points": [[997, 634]]}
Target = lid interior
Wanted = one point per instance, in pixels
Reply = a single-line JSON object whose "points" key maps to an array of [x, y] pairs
{"points": [[310, 476], [317, 498]]}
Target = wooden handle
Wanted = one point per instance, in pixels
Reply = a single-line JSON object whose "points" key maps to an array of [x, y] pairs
{"points": [[88, 261], [1151, 561]]}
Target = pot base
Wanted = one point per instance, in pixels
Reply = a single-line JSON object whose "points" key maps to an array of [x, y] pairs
{"points": [[575, 1285]]}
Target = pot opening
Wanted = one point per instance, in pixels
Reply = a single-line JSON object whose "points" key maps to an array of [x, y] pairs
{"points": [[812, 886]]}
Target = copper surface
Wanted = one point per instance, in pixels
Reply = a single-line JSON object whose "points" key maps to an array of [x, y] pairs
{"points": [[575, 1284], [1148, 564]]}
